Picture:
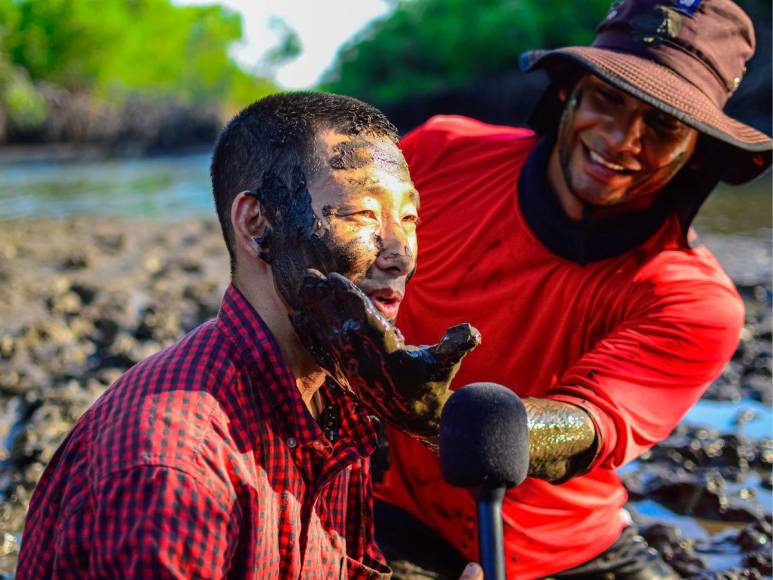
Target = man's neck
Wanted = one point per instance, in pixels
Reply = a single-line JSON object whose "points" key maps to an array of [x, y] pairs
{"points": [[309, 377], [571, 205]]}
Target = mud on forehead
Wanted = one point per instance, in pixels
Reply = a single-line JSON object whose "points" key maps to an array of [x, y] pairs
{"points": [[357, 153]]}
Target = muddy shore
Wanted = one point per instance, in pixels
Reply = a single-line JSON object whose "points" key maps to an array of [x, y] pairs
{"points": [[82, 300]]}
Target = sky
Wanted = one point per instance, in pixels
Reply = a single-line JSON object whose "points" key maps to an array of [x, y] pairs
{"points": [[322, 25]]}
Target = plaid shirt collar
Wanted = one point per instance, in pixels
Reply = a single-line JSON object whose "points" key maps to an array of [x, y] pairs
{"points": [[239, 321]]}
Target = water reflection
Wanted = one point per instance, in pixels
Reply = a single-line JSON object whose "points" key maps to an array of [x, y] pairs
{"points": [[169, 187], [178, 186]]}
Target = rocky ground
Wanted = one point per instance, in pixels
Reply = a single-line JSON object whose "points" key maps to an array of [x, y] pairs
{"points": [[82, 300]]}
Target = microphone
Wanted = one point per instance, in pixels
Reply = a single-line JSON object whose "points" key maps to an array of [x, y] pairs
{"points": [[484, 443]]}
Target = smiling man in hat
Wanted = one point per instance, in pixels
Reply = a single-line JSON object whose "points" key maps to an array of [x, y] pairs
{"points": [[571, 251]]}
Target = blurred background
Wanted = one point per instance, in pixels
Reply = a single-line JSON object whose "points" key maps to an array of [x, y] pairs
{"points": [[88, 80], [109, 249]]}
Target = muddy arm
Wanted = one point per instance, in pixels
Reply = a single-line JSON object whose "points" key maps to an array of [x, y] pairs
{"points": [[562, 439]]}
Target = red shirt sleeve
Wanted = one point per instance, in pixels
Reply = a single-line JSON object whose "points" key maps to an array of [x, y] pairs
{"points": [[160, 522], [641, 379]]}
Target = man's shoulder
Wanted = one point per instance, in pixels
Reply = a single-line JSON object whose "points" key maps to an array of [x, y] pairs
{"points": [[469, 127], [164, 410], [683, 265], [691, 280], [444, 135], [196, 360], [453, 128]]}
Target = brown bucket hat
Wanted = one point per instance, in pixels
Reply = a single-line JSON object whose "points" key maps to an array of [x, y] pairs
{"points": [[684, 57]]}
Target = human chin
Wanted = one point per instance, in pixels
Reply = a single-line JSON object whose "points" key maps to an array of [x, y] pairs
{"points": [[593, 185]]}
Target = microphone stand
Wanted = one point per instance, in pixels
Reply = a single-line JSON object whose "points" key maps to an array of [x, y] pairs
{"points": [[490, 536]]}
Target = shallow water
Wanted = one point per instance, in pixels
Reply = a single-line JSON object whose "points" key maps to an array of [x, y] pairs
{"points": [[178, 186], [721, 415], [165, 186]]}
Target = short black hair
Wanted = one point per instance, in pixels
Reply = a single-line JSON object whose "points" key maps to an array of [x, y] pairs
{"points": [[278, 133]]}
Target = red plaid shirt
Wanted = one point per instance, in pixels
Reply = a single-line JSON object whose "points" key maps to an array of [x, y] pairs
{"points": [[202, 461]]}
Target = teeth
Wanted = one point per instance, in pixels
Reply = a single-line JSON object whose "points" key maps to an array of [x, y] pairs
{"points": [[599, 159]]}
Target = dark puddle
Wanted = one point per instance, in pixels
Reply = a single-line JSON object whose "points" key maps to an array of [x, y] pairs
{"points": [[703, 497]]}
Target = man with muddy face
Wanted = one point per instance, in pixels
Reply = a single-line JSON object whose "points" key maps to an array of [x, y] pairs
{"points": [[339, 252], [569, 249], [243, 450], [360, 221]]}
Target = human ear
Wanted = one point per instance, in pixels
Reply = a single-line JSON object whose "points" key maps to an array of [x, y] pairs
{"points": [[251, 228]]}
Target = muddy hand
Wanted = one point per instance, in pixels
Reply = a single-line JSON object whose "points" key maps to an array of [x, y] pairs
{"points": [[402, 384]]}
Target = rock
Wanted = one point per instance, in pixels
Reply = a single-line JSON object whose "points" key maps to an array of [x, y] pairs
{"points": [[8, 544], [85, 292], [11, 381], [760, 561], [154, 264], [758, 387], [7, 346], [762, 364], [744, 416], [676, 550], [750, 538], [67, 303], [160, 324], [110, 243], [19, 377], [77, 260], [764, 454]]}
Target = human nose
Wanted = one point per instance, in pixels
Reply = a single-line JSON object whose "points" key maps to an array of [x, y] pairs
{"points": [[398, 248], [626, 134]]}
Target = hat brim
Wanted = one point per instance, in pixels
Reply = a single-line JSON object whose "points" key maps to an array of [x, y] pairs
{"points": [[662, 88]]}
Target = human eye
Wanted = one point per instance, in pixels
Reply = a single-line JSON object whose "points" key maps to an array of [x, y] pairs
{"points": [[366, 214], [665, 123], [411, 217], [609, 96], [360, 214]]}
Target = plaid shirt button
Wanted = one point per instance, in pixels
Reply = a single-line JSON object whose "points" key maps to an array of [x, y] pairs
{"points": [[291, 442]]}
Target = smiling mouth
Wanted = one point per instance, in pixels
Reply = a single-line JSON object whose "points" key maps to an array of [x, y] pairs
{"points": [[599, 159]]}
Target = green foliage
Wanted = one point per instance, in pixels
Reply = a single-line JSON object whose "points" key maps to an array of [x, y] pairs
{"points": [[116, 49], [246, 89], [290, 45], [427, 45], [25, 107]]}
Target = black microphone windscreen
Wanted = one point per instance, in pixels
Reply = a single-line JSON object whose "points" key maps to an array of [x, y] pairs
{"points": [[484, 437]]}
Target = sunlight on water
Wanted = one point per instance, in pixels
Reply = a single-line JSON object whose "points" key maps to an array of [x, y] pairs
{"points": [[721, 416], [169, 186], [178, 186]]}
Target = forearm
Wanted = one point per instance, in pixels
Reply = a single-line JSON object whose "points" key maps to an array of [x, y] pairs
{"points": [[561, 437]]}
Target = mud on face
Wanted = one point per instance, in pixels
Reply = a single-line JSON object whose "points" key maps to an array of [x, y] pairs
{"points": [[297, 238], [358, 189]]}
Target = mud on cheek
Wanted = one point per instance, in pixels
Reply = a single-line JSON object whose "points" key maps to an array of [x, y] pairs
{"points": [[354, 258]]}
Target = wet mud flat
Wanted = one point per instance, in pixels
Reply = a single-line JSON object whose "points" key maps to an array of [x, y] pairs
{"points": [[83, 299]]}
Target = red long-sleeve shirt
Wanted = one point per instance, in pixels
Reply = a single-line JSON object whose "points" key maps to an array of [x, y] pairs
{"points": [[203, 462], [634, 338]]}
